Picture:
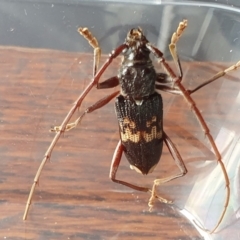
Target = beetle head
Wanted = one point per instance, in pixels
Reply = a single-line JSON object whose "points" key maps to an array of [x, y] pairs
{"points": [[135, 37]]}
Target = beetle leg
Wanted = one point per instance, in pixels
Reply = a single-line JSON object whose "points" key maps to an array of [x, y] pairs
{"points": [[172, 46], [94, 43], [215, 77], [113, 171], [162, 81], [102, 102], [173, 50], [163, 78], [165, 83], [159, 55], [109, 83], [173, 90], [114, 167], [179, 162]]}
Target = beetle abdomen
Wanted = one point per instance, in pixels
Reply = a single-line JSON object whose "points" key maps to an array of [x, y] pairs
{"points": [[141, 130]]}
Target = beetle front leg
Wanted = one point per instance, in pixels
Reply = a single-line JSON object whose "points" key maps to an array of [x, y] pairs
{"points": [[162, 81], [109, 83], [172, 46], [179, 162], [95, 45]]}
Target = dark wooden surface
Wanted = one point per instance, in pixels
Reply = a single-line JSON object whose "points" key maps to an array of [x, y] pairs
{"points": [[75, 198]]}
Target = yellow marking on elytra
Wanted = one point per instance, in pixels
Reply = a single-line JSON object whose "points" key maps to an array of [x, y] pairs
{"points": [[126, 120], [154, 119], [130, 133], [148, 137]]}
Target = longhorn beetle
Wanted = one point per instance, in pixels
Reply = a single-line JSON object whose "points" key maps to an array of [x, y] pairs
{"points": [[139, 109]]}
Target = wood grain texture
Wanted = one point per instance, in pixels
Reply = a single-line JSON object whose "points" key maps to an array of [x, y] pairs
{"points": [[75, 198]]}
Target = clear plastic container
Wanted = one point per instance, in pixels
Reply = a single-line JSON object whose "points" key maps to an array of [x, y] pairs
{"points": [[46, 64]]}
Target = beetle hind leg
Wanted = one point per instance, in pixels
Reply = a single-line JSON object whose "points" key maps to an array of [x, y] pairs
{"points": [[113, 172], [179, 162], [154, 195]]}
